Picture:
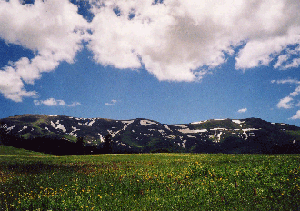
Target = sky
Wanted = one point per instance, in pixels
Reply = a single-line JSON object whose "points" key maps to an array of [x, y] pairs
{"points": [[173, 61]]}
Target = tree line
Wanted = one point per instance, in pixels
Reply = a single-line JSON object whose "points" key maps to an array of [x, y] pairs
{"points": [[56, 145]]}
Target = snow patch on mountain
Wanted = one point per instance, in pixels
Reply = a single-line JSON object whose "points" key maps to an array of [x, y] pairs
{"points": [[237, 121], [92, 122], [146, 122], [73, 133], [10, 128], [101, 138], [249, 129], [57, 125], [162, 132], [250, 133], [218, 129], [183, 143], [167, 127], [219, 136], [200, 122], [187, 130], [112, 133], [128, 122], [61, 127], [171, 136], [22, 129], [182, 126]]}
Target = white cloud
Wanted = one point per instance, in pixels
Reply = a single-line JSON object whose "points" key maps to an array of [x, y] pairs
{"points": [[296, 92], [54, 102], [296, 116], [285, 102], [175, 39], [294, 63], [52, 29], [170, 44], [75, 104], [286, 81], [50, 102], [112, 103], [290, 59], [280, 60], [179, 40], [242, 110], [12, 86]]}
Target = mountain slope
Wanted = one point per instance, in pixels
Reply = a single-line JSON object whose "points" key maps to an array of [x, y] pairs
{"points": [[251, 135]]}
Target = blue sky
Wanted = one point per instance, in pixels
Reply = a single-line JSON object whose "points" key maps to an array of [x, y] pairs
{"points": [[170, 61]]}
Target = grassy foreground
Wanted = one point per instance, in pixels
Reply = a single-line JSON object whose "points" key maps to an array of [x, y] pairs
{"points": [[32, 181]]}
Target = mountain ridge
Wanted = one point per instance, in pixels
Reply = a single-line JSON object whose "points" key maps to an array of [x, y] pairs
{"points": [[141, 135]]}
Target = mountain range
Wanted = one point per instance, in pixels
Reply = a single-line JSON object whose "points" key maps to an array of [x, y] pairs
{"points": [[59, 134]]}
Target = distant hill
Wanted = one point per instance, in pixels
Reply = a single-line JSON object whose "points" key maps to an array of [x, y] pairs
{"points": [[57, 134]]}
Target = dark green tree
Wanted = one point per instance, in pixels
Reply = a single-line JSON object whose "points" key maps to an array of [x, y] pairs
{"points": [[107, 144], [80, 145]]}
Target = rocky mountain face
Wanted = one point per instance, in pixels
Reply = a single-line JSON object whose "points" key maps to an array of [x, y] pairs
{"points": [[63, 134]]}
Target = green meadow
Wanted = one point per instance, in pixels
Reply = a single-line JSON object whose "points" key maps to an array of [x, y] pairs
{"points": [[35, 181]]}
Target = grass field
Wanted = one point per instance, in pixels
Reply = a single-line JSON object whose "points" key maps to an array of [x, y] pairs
{"points": [[32, 181]]}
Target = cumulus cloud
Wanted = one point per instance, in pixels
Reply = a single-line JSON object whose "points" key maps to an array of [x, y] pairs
{"points": [[165, 38], [54, 102], [112, 103], [285, 102], [288, 101], [242, 110], [289, 60], [12, 86], [176, 40], [296, 116], [52, 29]]}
